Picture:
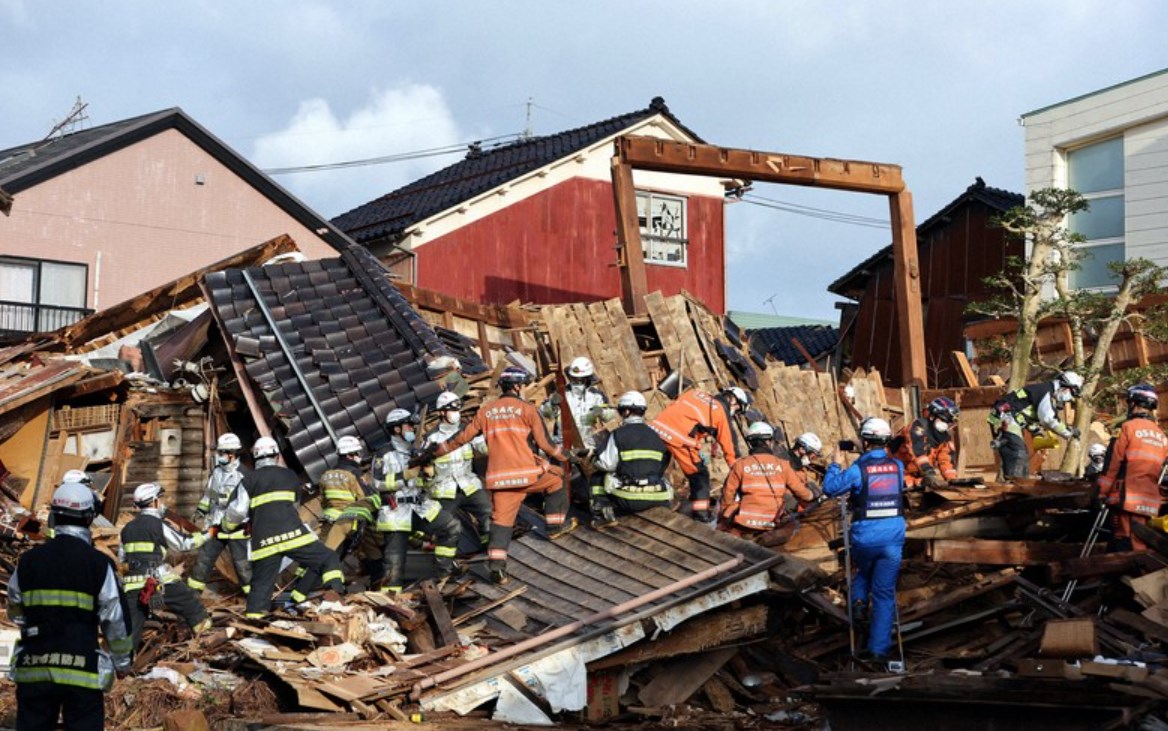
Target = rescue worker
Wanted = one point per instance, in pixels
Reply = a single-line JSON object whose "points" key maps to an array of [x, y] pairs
{"points": [[509, 424], [759, 485], [270, 500], [342, 485], [60, 594], [1033, 408], [81, 478], [227, 475], [874, 484], [453, 481], [587, 403], [405, 507], [806, 447], [149, 582], [633, 459], [925, 446], [1095, 458], [1130, 483], [685, 423]]}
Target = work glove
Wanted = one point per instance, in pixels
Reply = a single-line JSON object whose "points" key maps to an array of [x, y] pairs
{"points": [[556, 399], [1073, 432], [933, 480], [423, 457]]}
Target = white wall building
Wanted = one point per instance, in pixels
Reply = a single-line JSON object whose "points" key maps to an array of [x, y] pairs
{"points": [[1111, 145]]}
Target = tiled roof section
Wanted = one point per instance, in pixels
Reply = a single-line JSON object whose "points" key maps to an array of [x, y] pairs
{"points": [[463, 348], [17, 160], [357, 348], [817, 339], [480, 172], [996, 198]]}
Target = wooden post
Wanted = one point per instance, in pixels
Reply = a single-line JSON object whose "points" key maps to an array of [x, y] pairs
{"points": [[907, 272], [634, 280]]}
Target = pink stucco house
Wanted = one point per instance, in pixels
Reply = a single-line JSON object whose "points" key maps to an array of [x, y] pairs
{"points": [[98, 216]]}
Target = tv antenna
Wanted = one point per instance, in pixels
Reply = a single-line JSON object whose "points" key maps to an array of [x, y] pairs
{"points": [[771, 301], [71, 121]]}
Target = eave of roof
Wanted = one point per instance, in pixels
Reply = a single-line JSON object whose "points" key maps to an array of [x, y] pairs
{"points": [[997, 198], [28, 165], [1090, 94], [391, 214]]}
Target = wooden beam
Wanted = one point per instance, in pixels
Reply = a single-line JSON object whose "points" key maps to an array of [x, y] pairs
{"points": [[964, 368], [485, 344], [803, 352], [428, 299], [906, 273], [670, 156], [1002, 553], [696, 635], [438, 612], [630, 253]]}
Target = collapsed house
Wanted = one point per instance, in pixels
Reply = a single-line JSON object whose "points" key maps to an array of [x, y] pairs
{"points": [[656, 619]]}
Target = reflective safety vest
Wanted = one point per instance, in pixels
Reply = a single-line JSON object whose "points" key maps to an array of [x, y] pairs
{"points": [[274, 493], [220, 486], [340, 487], [1131, 479], [1021, 405], [453, 471], [60, 585], [881, 487], [144, 544], [643, 457]]}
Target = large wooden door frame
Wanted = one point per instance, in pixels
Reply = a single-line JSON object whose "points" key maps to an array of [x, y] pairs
{"points": [[688, 158]]}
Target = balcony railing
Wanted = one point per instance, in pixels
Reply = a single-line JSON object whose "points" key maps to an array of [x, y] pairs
{"points": [[21, 318]]}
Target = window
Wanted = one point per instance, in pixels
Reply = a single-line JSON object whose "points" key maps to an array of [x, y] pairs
{"points": [[1096, 171], [40, 296], [663, 228]]}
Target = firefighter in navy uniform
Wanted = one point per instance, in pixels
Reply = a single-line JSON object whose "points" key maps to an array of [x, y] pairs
{"points": [[633, 458], [1033, 408], [145, 541], [227, 474], [1130, 483], [874, 485], [925, 447], [60, 594], [270, 499], [454, 483]]}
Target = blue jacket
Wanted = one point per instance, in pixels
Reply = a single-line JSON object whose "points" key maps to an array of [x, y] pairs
{"points": [[872, 532]]}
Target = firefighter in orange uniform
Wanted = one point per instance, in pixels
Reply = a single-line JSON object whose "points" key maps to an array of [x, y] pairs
{"points": [[509, 424], [758, 485], [1130, 483], [925, 447], [683, 425]]}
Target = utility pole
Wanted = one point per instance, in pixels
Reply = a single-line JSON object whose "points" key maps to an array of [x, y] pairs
{"points": [[527, 132]]}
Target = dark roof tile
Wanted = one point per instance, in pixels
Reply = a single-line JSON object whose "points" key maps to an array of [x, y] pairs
{"points": [[817, 339]]}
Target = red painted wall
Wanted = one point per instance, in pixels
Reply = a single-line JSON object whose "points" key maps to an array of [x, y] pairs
{"points": [[560, 246]]}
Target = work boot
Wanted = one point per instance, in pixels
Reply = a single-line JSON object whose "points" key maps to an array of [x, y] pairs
{"points": [[701, 516], [201, 627], [603, 517], [564, 529], [500, 577]]}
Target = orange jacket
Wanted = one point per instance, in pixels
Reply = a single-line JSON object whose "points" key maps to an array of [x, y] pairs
{"points": [[918, 447], [1131, 478], [680, 424], [756, 487], [507, 423]]}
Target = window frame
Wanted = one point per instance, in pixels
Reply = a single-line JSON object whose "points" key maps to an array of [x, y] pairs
{"points": [[42, 316], [1107, 193], [652, 242]]}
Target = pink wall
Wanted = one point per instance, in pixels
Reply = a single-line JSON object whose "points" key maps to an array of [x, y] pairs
{"points": [[141, 213]]}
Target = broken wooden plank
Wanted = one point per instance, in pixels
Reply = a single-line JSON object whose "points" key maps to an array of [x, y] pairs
{"points": [[676, 681], [1002, 553], [439, 614], [1105, 564], [696, 635]]}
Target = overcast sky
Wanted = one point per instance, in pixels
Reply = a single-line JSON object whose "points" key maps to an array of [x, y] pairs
{"points": [[936, 87]]}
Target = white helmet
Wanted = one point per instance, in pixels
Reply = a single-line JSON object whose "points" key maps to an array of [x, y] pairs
{"points": [[875, 430], [810, 442], [448, 400], [1096, 451], [146, 493], [228, 443], [760, 430], [738, 393], [265, 447], [632, 400], [399, 416], [73, 500], [348, 445], [77, 476], [1070, 380], [581, 367]]}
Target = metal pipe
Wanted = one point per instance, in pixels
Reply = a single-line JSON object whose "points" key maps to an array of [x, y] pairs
{"points": [[568, 629], [255, 291]]}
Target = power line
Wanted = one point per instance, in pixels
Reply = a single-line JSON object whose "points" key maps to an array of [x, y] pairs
{"points": [[812, 212], [398, 157]]}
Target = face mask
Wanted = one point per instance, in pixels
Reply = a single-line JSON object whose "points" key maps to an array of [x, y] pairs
{"points": [[453, 417], [409, 436], [941, 425], [576, 388], [1064, 396], [804, 460], [160, 506], [222, 459]]}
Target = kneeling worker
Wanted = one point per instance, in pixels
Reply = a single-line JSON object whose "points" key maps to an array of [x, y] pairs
{"points": [[633, 458], [925, 447], [145, 540], [759, 485], [874, 485]]}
